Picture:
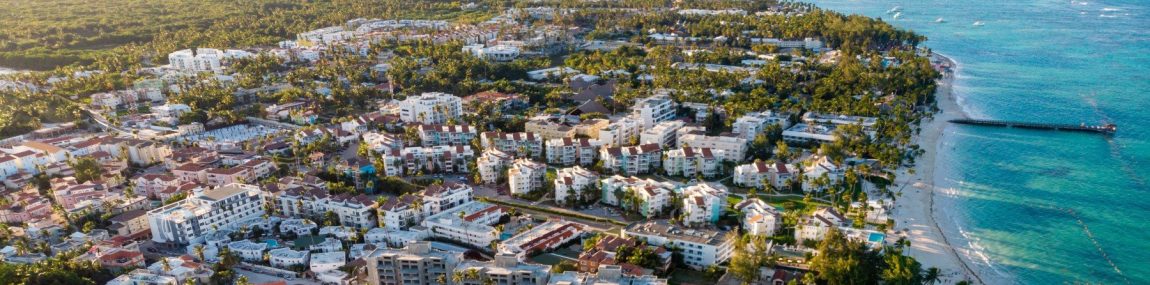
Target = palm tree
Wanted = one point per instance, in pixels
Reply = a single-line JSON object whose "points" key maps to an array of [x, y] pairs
{"points": [[441, 279], [199, 251], [167, 267], [931, 275]]}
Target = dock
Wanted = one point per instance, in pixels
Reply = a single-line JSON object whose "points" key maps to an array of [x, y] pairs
{"points": [[1106, 129]]}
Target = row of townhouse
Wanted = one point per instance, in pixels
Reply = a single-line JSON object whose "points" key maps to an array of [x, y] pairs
{"points": [[572, 151], [437, 135], [435, 159], [521, 144], [354, 211]]}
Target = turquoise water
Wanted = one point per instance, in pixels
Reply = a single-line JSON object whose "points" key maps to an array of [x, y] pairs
{"points": [[1044, 207]]}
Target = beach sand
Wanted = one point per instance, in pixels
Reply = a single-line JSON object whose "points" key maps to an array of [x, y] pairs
{"points": [[916, 210]]}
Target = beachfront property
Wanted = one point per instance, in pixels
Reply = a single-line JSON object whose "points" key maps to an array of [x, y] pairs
{"points": [[505, 269], [819, 167], [760, 174], [522, 144], [647, 196], [469, 223], [415, 263], [226, 207], [815, 226], [525, 176], [759, 218], [703, 203], [437, 135], [570, 183], [752, 124], [702, 247], [692, 162], [572, 151], [431, 108], [631, 160], [820, 128], [538, 239]]}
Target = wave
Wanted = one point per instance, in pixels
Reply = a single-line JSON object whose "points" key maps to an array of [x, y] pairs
{"points": [[1111, 9]]}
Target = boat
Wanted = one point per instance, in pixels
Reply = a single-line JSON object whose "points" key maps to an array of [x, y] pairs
{"points": [[898, 15], [939, 20], [896, 9], [978, 23]]}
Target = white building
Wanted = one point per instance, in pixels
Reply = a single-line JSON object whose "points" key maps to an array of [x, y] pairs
{"points": [[544, 237], [328, 35], [469, 223], [525, 176], [572, 151], [492, 165], [631, 160], [691, 162], [285, 257], [752, 124], [327, 261], [755, 174], [816, 226], [664, 133], [327, 245], [812, 118], [620, 132], [493, 53], [552, 73], [651, 196], [572, 181], [298, 226], [506, 269], [822, 167], [248, 250], [522, 144], [226, 207], [170, 113], [652, 110], [759, 218], [436, 135], [143, 277], [353, 211], [701, 247], [703, 203], [729, 148], [439, 198], [606, 274], [430, 108], [197, 60]]}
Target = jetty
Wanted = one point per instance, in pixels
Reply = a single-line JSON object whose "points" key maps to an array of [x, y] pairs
{"points": [[1102, 129]]}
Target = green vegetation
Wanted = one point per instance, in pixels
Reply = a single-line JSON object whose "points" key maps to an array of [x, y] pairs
{"points": [[60, 269]]}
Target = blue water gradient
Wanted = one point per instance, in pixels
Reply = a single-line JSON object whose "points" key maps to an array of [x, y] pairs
{"points": [[1044, 207]]}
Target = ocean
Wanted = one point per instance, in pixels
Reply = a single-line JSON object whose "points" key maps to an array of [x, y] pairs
{"points": [[1043, 207]]}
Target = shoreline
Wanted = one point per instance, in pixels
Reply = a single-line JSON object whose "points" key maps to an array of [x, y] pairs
{"points": [[915, 212]]}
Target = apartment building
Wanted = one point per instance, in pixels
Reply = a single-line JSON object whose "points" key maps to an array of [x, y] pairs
{"points": [[522, 144], [436, 159], [732, 148], [752, 124], [663, 133], [437, 135], [353, 211], [505, 269], [756, 174], [692, 162], [431, 108], [570, 183], [700, 247], [546, 236], [197, 60], [187, 221], [606, 274], [415, 264], [620, 132], [525, 176], [492, 165], [703, 203], [650, 197], [631, 160], [759, 218], [469, 223], [572, 151], [816, 226], [654, 109]]}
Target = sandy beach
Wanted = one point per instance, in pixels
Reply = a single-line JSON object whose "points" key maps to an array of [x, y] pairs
{"points": [[916, 210]]}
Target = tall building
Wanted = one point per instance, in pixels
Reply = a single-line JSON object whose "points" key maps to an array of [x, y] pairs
{"points": [[652, 110], [226, 207], [431, 108]]}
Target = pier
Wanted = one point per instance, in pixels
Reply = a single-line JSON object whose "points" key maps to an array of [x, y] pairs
{"points": [[1102, 129]]}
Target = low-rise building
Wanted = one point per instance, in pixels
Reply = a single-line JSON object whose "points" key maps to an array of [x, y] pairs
{"points": [[469, 223], [546, 236], [572, 151], [248, 250], [571, 182], [732, 148], [354, 211], [285, 258], [620, 132], [751, 125], [526, 176], [701, 247], [663, 133], [691, 162], [492, 165], [504, 269], [631, 160], [415, 264], [298, 226], [816, 226], [523, 144], [759, 174], [436, 159], [703, 203], [644, 196], [607, 274], [437, 135], [327, 261], [226, 207], [759, 218]]}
